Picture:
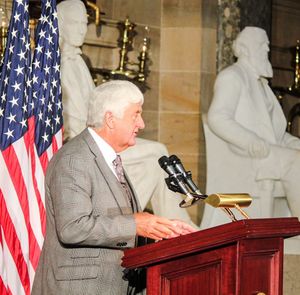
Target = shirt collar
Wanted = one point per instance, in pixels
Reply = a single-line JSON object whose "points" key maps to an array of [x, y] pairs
{"points": [[107, 151]]}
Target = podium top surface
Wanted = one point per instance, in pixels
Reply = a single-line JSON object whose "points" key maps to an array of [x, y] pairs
{"points": [[210, 238]]}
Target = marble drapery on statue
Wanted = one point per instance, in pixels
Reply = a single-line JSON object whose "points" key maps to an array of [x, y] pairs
{"points": [[140, 161], [75, 77], [246, 114], [76, 88]]}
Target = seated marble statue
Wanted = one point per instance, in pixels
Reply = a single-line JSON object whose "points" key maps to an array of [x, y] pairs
{"points": [[140, 161], [246, 114]]}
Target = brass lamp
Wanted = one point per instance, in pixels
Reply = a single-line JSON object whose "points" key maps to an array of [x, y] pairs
{"points": [[228, 201]]}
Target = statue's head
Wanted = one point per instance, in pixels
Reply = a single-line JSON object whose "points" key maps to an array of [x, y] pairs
{"points": [[252, 45], [72, 22]]}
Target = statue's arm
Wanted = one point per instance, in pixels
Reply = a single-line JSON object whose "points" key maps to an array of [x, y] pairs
{"points": [[228, 91], [291, 141]]}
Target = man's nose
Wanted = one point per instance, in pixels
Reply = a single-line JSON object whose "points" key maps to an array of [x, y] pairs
{"points": [[141, 123], [82, 29], [267, 48]]}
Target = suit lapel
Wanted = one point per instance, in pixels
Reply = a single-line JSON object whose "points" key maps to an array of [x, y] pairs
{"points": [[278, 119], [275, 122], [256, 91], [108, 175]]}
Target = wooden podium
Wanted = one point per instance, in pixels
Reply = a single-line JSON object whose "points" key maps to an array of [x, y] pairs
{"points": [[238, 258]]}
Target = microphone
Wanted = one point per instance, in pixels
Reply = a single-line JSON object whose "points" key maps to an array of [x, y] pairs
{"points": [[177, 178], [175, 161]]}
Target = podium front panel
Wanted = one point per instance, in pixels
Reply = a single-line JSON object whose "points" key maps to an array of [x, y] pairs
{"points": [[211, 273], [260, 265]]}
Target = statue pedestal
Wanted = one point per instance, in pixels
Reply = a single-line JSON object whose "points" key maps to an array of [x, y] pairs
{"points": [[292, 246]]}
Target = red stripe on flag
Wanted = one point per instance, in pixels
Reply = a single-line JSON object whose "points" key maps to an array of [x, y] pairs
{"points": [[3, 289], [33, 165], [14, 245], [54, 145], [16, 176], [44, 161], [37, 194]]}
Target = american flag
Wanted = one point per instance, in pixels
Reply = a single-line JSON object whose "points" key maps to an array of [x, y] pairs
{"points": [[30, 132]]}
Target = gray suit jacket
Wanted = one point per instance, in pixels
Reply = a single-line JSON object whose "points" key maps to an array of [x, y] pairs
{"points": [[89, 222]]}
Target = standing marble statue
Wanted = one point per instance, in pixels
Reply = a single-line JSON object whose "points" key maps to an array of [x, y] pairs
{"points": [[76, 80], [246, 114], [139, 161]]}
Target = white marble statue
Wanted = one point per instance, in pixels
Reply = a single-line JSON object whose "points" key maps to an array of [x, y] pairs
{"points": [[246, 115], [140, 161], [76, 80]]}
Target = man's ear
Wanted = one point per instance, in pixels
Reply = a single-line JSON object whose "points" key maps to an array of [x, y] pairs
{"points": [[240, 49], [109, 120], [245, 50]]}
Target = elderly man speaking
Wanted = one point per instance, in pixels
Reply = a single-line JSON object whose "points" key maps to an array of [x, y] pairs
{"points": [[92, 211]]}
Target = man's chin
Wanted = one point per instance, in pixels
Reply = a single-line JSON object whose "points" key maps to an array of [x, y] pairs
{"points": [[265, 69], [77, 43], [132, 142]]}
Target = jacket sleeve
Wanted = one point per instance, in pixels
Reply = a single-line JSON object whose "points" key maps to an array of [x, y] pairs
{"points": [[71, 193]]}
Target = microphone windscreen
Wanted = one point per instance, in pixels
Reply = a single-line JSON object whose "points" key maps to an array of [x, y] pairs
{"points": [[163, 161], [174, 159]]}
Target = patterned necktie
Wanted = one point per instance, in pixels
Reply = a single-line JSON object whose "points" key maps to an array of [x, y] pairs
{"points": [[120, 174]]}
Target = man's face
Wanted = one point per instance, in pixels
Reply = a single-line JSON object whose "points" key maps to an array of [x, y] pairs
{"points": [[75, 27], [126, 128], [258, 55]]}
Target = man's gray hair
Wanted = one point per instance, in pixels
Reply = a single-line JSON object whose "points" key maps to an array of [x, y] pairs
{"points": [[244, 39], [113, 96]]}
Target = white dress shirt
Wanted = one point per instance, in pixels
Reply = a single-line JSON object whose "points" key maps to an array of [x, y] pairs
{"points": [[107, 151]]}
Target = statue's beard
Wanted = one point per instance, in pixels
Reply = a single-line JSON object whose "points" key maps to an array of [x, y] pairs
{"points": [[263, 66]]}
